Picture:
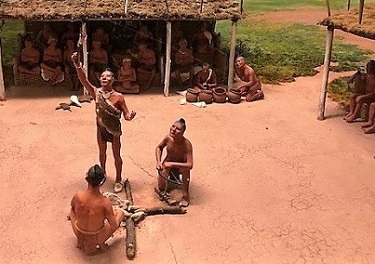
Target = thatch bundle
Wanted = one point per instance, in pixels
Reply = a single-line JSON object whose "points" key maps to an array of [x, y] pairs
{"points": [[115, 9], [349, 21]]}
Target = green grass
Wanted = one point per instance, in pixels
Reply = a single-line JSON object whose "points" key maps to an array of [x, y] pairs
{"points": [[9, 46], [252, 6], [339, 91], [280, 52]]}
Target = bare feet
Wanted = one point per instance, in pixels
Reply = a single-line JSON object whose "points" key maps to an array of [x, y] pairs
{"points": [[185, 201], [351, 118], [368, 124], [369, 130]]}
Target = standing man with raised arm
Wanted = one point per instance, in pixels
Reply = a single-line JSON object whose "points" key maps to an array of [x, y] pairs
{"points": [[109, 107]]}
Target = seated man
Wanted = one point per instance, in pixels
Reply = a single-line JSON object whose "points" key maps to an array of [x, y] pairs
{"points": [[202, 40], [44, 35], [369, 127], [70, 70], [92, 217], [127, 78], [179, 157], [51, 67], [184, 62], [246, 81], [143, 35], [206, 78], [100, 35], [146, 61], [69, 34], [29, 58], [98, 61], [359, 98]]}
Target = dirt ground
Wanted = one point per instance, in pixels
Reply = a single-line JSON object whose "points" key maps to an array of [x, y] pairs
{"points": [[270, 184]]}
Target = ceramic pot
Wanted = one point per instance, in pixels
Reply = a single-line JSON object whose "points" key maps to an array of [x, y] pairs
{"points": [[234, 96], [206, 96], [219, 95], [192, 95]]}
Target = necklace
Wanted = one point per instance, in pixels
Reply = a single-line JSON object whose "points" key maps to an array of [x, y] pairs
{"points": [[106, 94]]}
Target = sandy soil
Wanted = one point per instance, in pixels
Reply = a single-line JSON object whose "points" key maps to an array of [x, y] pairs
{"points": [[271, 184]]}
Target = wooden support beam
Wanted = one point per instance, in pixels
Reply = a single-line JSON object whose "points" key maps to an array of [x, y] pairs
{"points": [[327, 62], [168, 50], [232, 54], [83, 39], [361, 8], [328, 7], [2, 84], [348, 5]]}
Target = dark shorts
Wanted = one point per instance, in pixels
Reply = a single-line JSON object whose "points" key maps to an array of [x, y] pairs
{"points": [[104, 134]]}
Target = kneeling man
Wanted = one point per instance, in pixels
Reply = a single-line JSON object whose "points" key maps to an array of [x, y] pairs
{"points": [[179, 157], [247, 82]]}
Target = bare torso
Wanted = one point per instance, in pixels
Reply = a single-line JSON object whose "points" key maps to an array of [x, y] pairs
{"points": [[177, 151], [90, 210], [147, 57]]}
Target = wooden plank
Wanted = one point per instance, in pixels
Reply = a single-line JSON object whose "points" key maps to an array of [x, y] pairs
{"points": [[232, 54], [168, 59]]}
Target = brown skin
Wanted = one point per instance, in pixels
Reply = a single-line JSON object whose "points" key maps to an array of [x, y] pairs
{"points": [[202, 81], [73, 81], [369, 127], [179, 156], [29, 56], [357, 100], [246, 81], [184, 61], [52, 53], [127, 77], [117, 100], [89, 210]]}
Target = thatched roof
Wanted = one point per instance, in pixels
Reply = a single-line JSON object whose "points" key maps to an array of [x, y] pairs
{"points": [[115, 9], [349, 22]]}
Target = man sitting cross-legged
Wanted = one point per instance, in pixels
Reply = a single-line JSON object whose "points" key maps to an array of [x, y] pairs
{"points": [[92, 216], [179, 157]]}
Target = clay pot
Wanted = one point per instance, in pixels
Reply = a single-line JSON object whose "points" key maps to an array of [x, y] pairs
{"points": [[192, 95], [206, 96], [220, 95], [234, 96]]}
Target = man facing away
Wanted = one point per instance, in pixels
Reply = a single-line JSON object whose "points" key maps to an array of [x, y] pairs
{"points": [[109, 107], [246, 81], [92, 217], [179, 159]]}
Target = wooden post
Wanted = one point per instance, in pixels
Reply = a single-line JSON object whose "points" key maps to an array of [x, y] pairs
{"points": [[232, 52], [201, 6], [2, 85], [327, 62], [361, 7], [168, 59], [126, 7], [85, 52], [348, 5], [328, 8]]}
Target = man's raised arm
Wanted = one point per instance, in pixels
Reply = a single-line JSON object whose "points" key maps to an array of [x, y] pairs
{"points": [[82, 76]]}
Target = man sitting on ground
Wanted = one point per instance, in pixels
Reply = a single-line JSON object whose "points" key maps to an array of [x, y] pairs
{"points": [[29, 58], [127, 78], [358, 99], [246, 81], [179, 158], [206, 79], [92, 217], [51, 67], [184, 62], [146, 61]]}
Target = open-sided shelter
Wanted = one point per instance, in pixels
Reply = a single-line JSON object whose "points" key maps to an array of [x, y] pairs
{"points": [[89, 11]]}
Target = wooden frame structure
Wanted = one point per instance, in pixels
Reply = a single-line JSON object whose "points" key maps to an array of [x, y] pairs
{"points": [[359, 22], [140, 10]]}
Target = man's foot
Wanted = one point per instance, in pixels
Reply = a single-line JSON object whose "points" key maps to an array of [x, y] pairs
{"points": [[351, 118], [369, 130], [366, 125], [118, 187], [184, 203]]}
